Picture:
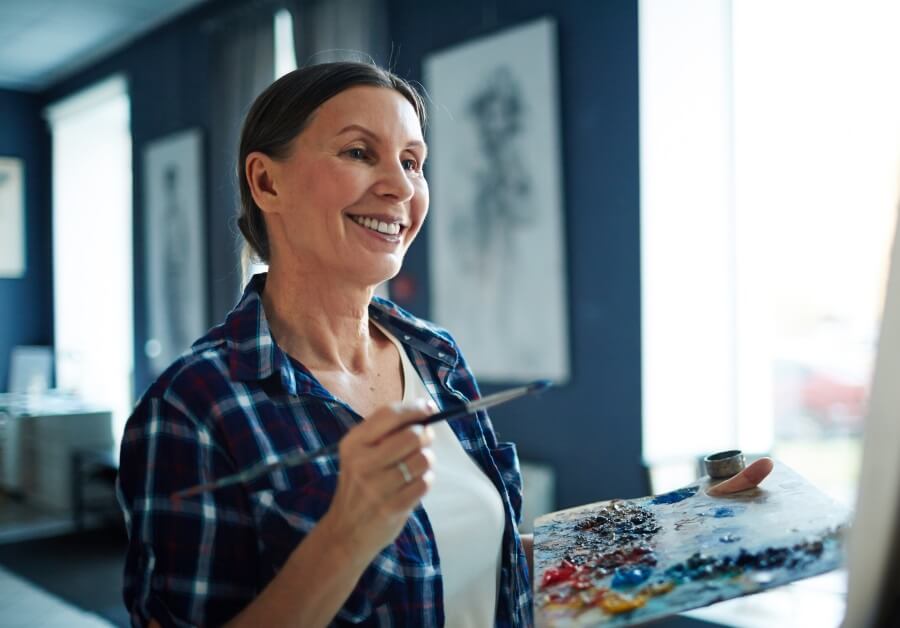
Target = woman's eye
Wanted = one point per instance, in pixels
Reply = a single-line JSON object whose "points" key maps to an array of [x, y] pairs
{"points": [[358, 153], [410, 164]]}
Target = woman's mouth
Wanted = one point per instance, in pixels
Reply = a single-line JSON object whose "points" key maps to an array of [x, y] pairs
{"points": [[378, 226]]}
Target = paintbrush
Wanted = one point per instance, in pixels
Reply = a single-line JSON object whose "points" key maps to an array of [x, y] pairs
{"points": [[297, 458]]}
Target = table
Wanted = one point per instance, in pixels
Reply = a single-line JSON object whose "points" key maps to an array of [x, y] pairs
{"points": [[39, 435]]}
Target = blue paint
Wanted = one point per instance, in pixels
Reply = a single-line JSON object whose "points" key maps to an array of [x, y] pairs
{"points": [[630, 576], [675, 496], [722, 512]]}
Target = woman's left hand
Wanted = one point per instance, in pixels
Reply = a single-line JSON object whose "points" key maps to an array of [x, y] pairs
{"points": [[749, 478]]}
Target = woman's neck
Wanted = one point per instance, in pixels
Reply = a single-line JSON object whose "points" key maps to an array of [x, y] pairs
{"points": [[319, 321]]}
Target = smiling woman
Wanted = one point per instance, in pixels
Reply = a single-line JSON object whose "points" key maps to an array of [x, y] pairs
{"points": [[321, 200], [406, 525]]}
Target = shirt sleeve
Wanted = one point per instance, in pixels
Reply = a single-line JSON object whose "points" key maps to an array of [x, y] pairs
{"points": [[189, 561]]}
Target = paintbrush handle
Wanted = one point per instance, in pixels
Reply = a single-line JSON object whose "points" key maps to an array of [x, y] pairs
{"points": [[299, 457]]}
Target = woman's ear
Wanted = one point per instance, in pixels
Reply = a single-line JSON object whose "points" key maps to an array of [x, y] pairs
{"points": [[260, 170]]}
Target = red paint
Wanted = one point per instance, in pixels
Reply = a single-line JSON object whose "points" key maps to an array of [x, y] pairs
{"points": [[562, 573]]}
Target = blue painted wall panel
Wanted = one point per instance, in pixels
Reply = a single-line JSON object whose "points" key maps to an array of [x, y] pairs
{"points": [[25, 303]]}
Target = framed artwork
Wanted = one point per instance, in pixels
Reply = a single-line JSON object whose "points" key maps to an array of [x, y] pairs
{"points": [[12, 218], [174, 246], [496, 243]]}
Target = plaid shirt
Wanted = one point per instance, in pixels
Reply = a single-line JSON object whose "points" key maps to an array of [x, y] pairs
{"points": [[235, 399]]}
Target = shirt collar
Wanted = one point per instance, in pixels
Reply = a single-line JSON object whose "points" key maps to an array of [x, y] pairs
{"points": [[254, 355]]}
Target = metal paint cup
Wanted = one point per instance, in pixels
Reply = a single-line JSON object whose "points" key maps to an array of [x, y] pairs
{"points": [[724, 464]]}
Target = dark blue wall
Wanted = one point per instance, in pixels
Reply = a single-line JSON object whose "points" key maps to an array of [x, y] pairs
{"points": [[168, 74], [25, 304], [590, 429]]}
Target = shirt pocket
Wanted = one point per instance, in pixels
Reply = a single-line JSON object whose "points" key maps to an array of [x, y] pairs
{"points": [[507, 461]]}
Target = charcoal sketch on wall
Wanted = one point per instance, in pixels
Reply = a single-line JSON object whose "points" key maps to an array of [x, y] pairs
{"points": [[175, 255], [12, 217], [496, 248]]}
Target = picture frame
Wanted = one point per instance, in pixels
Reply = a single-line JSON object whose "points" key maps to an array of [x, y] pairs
{"points": [[174, 245], [496, 235], [12, 218]]}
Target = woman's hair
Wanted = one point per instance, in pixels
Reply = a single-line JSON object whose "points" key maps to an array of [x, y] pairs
{"points": [[284, 109]]}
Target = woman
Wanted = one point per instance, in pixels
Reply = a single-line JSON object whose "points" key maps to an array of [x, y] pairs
{"points": [[419, 526]]}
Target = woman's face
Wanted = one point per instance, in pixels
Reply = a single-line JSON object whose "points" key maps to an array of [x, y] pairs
{"points": [[351, 195]]}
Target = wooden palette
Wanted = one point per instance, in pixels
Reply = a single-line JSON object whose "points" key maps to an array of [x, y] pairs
{"points": [[624, 562]]}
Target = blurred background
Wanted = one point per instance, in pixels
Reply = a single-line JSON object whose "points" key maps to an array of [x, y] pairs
{"points": [[727, 175]]}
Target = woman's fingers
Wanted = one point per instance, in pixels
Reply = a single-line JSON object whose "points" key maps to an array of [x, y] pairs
{"points": [[385, 421], [416, 465], [388, 479], [384, 453], [410, 493], [397, 446], [750, 477]]}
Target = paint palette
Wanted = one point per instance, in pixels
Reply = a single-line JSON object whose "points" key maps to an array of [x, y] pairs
{"points": [[624, 562]]}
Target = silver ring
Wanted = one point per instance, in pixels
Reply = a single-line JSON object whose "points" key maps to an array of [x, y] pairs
{"points": [[724, 464], [404, 470]]}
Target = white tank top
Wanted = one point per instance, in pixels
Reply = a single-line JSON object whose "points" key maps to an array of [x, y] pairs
{"points": [[466, 515]]}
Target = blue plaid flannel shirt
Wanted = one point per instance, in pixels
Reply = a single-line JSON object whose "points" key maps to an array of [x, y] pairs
{"points": [[235, 399]]}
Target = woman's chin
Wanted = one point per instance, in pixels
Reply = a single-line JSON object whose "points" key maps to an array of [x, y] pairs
{"points": [[376, 275]]}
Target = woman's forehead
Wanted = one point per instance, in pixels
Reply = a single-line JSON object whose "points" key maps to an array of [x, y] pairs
{"points": [[381, 110]]}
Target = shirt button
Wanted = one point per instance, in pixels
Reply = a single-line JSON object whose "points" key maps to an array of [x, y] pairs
{"points": [[406, 336], [440, 354]]}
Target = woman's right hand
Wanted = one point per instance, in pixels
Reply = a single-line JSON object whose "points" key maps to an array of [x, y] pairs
{"points": [[373, 499]]}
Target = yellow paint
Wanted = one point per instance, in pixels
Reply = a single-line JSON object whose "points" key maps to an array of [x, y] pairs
{"points": [[658, 588], [615, 603]]}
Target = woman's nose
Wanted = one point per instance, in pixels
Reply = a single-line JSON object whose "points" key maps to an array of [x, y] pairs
{"points": [[394, 182]]}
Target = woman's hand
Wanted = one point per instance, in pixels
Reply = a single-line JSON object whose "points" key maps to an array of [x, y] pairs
{"points": [[750, 477], [371, 504], [376, 493]]}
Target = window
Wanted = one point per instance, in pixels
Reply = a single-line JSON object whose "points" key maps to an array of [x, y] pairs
{"points": [[92, 247], [285, 57], [769, 191]]}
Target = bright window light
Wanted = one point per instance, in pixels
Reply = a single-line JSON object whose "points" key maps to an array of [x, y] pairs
{"points": [[285, 57], [769, 180], [92, 247]]}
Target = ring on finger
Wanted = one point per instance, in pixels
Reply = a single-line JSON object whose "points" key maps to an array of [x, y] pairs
{"points": [[404, 471]]}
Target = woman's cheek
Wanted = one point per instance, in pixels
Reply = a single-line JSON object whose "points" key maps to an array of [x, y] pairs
{"points": [[422, 199]]}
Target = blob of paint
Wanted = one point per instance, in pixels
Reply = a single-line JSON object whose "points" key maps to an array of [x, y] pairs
{"points": [[630, 576], [722, 512], [563, 572], [674, 497], [729, 538], [614, 604]]}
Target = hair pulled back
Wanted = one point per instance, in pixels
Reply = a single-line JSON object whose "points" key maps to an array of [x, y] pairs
{"points": [[283, 110]]}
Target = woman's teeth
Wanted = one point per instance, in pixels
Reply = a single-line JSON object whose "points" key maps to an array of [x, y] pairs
{"points": [[377, 225]]}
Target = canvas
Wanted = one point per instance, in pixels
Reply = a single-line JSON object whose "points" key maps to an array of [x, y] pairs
{"points": [[624, 562]]}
